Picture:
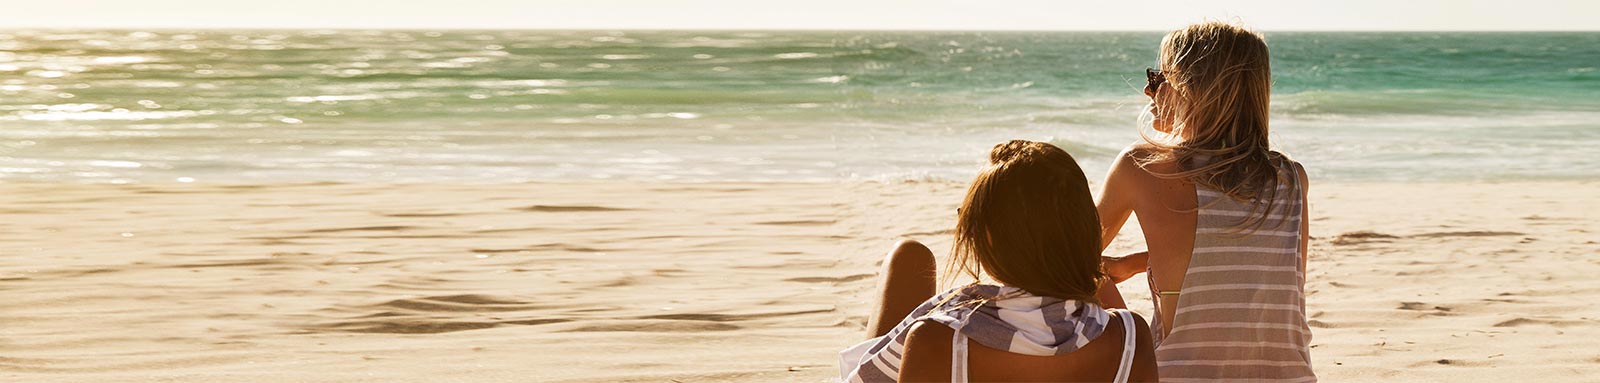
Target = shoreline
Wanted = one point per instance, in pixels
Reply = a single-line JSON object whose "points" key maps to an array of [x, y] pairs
{"points": [[603, 182]]}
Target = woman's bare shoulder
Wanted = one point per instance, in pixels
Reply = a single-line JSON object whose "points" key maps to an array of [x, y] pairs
{"points": [[927, 329], [1139, 148], [926, 355], [1139, 160]]}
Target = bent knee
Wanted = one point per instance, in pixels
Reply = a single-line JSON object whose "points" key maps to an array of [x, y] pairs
{"points": [[910, 255], [911, 246]]}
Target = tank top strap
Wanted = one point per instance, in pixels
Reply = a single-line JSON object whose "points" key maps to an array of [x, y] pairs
{"points": [[958, 357], [1130, 344]]}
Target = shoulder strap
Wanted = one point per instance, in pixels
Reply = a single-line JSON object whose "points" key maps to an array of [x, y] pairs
{"points": [[1130, 338], [958, 357]]}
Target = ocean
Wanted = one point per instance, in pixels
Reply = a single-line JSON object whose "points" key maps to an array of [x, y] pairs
{"points": [[127, 106]]}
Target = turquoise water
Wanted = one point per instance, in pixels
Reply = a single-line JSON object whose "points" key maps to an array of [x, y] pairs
{"points": [[507, 106]]}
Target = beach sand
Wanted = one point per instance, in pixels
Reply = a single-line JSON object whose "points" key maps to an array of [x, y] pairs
{"points": [[695, 282]]}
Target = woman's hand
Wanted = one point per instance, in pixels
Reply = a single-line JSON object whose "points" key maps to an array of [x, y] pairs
{"points": [[1124, 267]]}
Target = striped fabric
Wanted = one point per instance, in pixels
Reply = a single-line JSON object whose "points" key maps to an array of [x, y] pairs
{"points": [[998, 317], [1241, 311]]}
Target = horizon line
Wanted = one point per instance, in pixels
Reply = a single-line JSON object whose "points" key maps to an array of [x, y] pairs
{"points": [[718, 29]]}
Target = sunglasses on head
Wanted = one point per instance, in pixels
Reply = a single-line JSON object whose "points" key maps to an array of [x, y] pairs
{"points": [[1153, 80]]}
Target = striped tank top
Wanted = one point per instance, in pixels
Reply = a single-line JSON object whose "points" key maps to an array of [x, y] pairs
{"points": [[1241, 310]]}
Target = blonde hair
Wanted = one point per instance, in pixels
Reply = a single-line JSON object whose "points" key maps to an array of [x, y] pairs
{"points": [[1028, 221], [1221, 80]]}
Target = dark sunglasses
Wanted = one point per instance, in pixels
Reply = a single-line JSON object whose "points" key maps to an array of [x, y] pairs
{"points": [[1153, 80]]}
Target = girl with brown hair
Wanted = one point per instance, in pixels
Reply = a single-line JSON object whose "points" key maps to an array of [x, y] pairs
{"points": [[1028, 232], [1224, 216]]}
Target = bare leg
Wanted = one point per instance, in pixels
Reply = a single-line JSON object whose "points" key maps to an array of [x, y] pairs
{"points": [[909, 273]]}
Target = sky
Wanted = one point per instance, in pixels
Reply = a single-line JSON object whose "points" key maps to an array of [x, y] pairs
{"points": [[1282, 15]]}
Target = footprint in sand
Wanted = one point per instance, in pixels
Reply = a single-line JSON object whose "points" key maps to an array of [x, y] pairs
{"points": [[656, 326], [434, 315], [1535, 322], [737, 317], [1419, 306], [362, 228], [568, 209], [1474, 233], [799, 223], [848, 278], [1360, 237]]}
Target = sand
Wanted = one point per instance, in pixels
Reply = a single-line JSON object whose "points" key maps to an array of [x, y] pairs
{"points": [[694, 282]]}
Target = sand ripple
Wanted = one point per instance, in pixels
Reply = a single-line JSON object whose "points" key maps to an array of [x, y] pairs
{"points": [[691, 282], [332, 282]]}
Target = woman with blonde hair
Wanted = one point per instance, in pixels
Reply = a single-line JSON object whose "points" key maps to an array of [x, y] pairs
{"points": [[1224, 216], [1029, 232]]}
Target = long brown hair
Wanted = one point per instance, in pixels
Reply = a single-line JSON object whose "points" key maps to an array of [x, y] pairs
{"points": [[1029, 222], [1221, 84]]}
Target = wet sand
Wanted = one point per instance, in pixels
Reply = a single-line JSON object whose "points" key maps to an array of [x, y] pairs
{"points": [[694, 282]]}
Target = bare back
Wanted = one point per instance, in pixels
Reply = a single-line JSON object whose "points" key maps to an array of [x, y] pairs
{"points": [[1167, 214], [928, 350]]}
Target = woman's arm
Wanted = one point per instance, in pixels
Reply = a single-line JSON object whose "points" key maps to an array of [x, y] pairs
{"points": [[1305, 222], [1124, 267], [1115, 204], [926, 356]]}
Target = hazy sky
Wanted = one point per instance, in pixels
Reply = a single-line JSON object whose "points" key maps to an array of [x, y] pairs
{"points": [[806, 14]]}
